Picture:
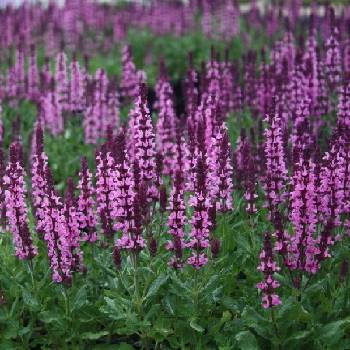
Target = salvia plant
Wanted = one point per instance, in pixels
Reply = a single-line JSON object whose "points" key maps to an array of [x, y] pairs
{"points": [[174, 175]]}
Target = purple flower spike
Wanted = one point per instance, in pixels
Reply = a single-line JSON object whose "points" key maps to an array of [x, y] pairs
{"points": [[86, 204], [16, 207], [268, 267]]}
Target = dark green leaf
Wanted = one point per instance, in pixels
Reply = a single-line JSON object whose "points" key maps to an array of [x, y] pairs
{"points": [[246, 341]]}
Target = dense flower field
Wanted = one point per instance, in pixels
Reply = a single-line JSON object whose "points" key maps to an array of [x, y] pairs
{"points": [[174, 176]]}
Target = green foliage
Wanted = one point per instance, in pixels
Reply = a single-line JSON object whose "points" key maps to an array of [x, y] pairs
{"points": [[148, 305]]}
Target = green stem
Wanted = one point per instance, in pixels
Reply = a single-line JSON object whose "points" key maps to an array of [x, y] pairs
{"points": [[273, 320], [346, 296], [195, 293], [224, 240], [31, 272], [138, 300], [66, 302]]}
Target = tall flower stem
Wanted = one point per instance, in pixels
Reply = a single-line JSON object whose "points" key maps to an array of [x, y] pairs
{"points": [[195, 300], [224, 239], [137, 297], [31, 272], [274, 323]]}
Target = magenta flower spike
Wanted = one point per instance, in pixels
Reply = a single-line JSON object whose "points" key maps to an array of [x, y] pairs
{"points": [[39, 183], [123, 192], [303, 245], [105, 183], [176, 222], [72, 220], [130, 81], [16, 207], [86, 204], [132, 239], [76, 87], [200, 201], [57, 235], [62, 83], [33, 75], [166, 124], [333, 61], [191, 90], [19, 72], [144, 142], [268, 267], [221, 171], [276, 170]]}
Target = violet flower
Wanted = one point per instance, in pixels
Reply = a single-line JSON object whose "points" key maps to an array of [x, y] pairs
{"points": [[268, 267], [86, 204], [176, 222], [16, 207]]}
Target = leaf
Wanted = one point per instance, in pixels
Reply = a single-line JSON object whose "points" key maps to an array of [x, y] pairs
{"points": [[12, 329], [293, 311], [293, 341], [155, 308], [80, 299], [168, 305], [7, 345], [30, 300], [122, 346], [94, 336], [230, 304], [180, 289], [157, 283], [332, 332], [196, 326], [246, 341], [48, 317], [256, 321], [112, 306]]}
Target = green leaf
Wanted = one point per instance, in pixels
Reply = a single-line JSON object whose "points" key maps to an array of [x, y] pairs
{"points": [[94, 336], [155, 308], [80, 299], [49, 317], [293, 342], [167, 303], [12, 329], [196, 326], [256, 321], [7, 345], [30, 300], [157, 283], [106, 347], [332, 332], [230, 304], [124, 346], [293, 311], [246, 341]]}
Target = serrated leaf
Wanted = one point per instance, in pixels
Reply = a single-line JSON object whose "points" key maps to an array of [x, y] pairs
{"points": [[124, 346], [157, 283], [168, 305], [293, 340], [230, 304], [153, 310], [104, 347], [80, 299], [332, 332], [50, 317], [293, 311], [94, 336], [196, 326], [30, 300], [256, 321], [246, 341]]}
